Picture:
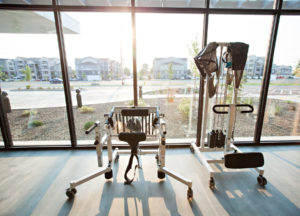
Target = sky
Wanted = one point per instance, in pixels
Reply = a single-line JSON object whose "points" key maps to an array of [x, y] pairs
{"points": [[109, 35]]}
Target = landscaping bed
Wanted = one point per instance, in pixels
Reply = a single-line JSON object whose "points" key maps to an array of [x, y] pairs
{"points": [[279, 121]]}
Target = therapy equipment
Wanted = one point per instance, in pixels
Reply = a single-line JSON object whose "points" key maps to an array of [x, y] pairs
{"points": [[131, 125], [220, 139]]}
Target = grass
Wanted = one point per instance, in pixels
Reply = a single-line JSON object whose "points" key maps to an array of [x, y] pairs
{"points": [[87, 109]]}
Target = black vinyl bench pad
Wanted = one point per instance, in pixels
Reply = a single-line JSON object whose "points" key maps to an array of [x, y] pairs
{"points": [[244, 160]]}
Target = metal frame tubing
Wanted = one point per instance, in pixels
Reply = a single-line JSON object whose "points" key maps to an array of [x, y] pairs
{"points": [[201, 86], [135, 86], [64, 69], [267, 74]]}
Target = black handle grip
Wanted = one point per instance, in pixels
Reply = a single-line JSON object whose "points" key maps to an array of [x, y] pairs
{"points": [[92, 127], [220, 105], [109, 120], [246, 105], [238, 105]]}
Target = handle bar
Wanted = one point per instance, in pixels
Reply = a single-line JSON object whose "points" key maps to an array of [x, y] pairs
{"points": [[250, 110], [109, 120], [92, 127]]}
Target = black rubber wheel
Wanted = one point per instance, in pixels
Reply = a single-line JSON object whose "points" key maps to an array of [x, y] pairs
{"points": [[108, 175], [211, 183], [70, 193], [74, 190], [190, 194], [262, 181], [161, 174], [192, 149]]}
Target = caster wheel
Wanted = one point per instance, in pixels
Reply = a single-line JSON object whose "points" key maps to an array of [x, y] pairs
{"points": [[70, 193], [190, 194], [192, 149], [74, 190], [211, 183], [161, 175], [108, 175], [117, 158], [262, 181]]}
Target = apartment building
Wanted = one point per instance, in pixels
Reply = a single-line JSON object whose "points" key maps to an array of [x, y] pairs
{"points": [[170, 68], [93, 69]]}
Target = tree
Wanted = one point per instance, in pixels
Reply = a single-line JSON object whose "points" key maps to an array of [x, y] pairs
{"points": [[144, 71], [27, 73], [170, 71], [194, 49], [83, 76], [3, 75], [73, 74], [127, 71], [297, 70]]}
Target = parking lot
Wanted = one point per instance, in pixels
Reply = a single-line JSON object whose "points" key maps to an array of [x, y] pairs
{"points": [[43, 94]]}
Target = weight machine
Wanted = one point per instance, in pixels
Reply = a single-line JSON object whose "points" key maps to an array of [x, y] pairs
{"points": [[212, 69], [132, 125]]}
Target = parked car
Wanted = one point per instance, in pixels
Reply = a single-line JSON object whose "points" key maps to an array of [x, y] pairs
{"points": [[56, 80]]}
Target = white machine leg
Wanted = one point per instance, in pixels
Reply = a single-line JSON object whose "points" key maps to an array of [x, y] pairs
{"points": [[176, 176], [72, 190]]}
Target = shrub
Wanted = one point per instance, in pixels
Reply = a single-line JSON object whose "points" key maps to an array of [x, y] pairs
{"points": [[141, 103], [28, 86], [40, 88], [184, 106], [88, 124], [27, 113], [35, 123], [87, 109], [278, 110]]}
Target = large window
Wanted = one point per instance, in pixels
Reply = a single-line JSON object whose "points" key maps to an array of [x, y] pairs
{"points": [[291, 4], [282, 116], [100, 63], [100, 66], [27, 2], [167, 77], [252, 30], [29, 63], [254, 4], [170, 3], [95, 3]]}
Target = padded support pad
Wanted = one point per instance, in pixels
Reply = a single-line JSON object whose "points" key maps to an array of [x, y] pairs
{"points": [[244, 160], [135, 112], [132, 139]]}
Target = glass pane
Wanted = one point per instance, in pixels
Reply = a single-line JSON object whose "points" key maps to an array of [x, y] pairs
{"points": [[27, 2], [254, 4], [291, 4], [170, 3], [96, 2], [166, 46], [29, 59], [100, 62], [249, 90], [282, 117]]}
